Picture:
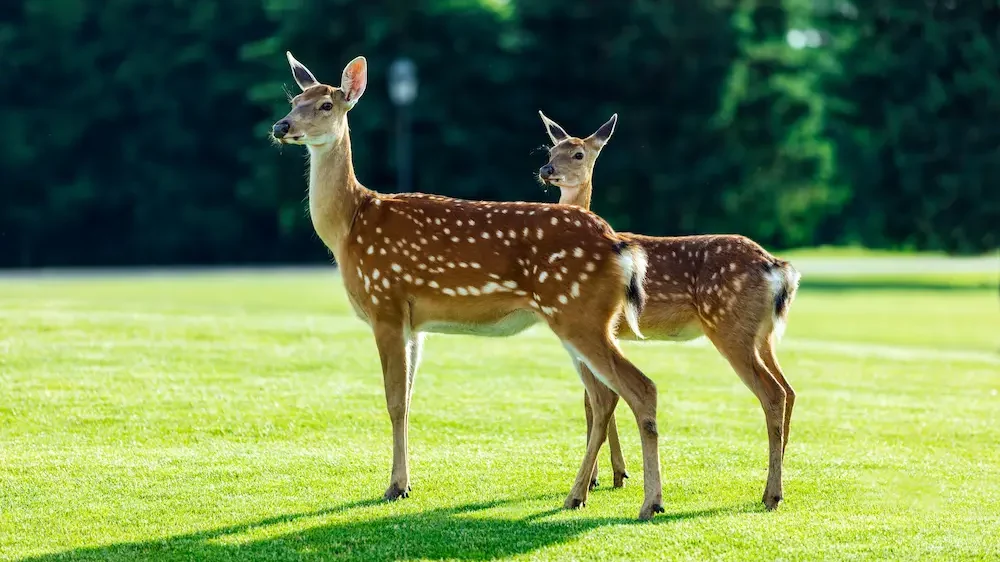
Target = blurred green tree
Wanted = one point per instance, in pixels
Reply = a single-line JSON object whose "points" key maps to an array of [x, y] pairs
{"points": [[780, 182], [124, 118], [914, 113]]}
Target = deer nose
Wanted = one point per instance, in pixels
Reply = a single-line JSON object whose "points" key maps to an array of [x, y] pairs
{"points": [[280, 129], [546, 171]]}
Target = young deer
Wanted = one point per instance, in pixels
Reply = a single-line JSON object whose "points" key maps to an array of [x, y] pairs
{"points": [[414, 263], [723, 286]]}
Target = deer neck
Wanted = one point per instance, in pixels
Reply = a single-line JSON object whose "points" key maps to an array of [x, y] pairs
{"points": [[334, 192], [579, 195]]}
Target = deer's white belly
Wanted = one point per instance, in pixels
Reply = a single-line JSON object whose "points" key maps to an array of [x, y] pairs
{"points": [[513, 323]]}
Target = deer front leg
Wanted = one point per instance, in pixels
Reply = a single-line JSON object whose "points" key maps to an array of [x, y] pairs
{"points": [[617, 459], [600, 401], [588, 412], [392, 350]]}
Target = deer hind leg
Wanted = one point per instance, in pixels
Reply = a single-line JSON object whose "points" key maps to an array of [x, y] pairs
{"points": [[767, 353], [740, 350], [606, 363], [396, 374]]}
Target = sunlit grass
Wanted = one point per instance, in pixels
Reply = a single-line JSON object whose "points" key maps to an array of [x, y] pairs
{"points": [[240, 416]]}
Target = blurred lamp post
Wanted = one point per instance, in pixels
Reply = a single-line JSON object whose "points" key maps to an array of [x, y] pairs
{"points": [[402, 92]]}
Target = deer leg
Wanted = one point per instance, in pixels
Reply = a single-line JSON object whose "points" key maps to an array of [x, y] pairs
{"points": [[743, 356], [392, 350], [606, 362], [600, 401], [588, 412], [414, 350], [617, 459], [767, 353]]}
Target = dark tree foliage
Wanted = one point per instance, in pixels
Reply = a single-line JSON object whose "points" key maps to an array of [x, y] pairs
{"points": [[123, 122], [915, 117], [779, 187], [136, 132]]}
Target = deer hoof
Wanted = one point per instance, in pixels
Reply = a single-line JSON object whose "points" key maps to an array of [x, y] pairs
{"points": [[771, 502], [574, 503], [395, 492], [593, 483], [647, 513], [620, 479]]}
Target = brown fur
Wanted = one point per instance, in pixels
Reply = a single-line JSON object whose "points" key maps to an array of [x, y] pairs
{"points": [[415, 263], [726, 287]]}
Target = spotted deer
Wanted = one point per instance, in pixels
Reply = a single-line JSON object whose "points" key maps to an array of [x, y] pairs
{"points": [[413, 264], [726, 287]]}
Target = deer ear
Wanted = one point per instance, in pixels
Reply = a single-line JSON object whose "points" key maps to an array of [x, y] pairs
{"points": [[601, 136], [556, 133], [354, 80], [303, 77]]}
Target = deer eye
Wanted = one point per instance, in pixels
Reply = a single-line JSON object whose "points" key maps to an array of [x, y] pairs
{"points": [[326, 106], [578, 156]]}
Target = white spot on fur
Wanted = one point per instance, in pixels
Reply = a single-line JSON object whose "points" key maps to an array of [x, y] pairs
{"points": [[590, 266], [542, 276], [433, 284], [510, 284], [374, 299], [574, 289], [371, 250], [539, 233], [577, 252], [562, 299], [449, 292], [396, 267]]}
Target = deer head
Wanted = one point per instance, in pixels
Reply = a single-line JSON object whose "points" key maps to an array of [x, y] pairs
{"points": [[571, 159], [318, 114]]}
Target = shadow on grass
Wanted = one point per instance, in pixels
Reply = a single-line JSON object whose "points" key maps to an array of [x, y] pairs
{"points": [[455, 533]]}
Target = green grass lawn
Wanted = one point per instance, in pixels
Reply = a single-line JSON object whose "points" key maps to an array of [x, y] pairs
{"points": [[241, 416]]}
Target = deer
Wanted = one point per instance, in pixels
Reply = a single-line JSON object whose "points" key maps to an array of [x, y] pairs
{"points": [[726, 287], [415, 263]]}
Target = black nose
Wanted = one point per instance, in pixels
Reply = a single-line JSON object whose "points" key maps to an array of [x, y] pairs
{"points": [[280, 129], [546, 170]]}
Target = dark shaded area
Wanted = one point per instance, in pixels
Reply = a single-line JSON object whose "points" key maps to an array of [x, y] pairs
{"points": [[136, 132], [457, 533]]}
